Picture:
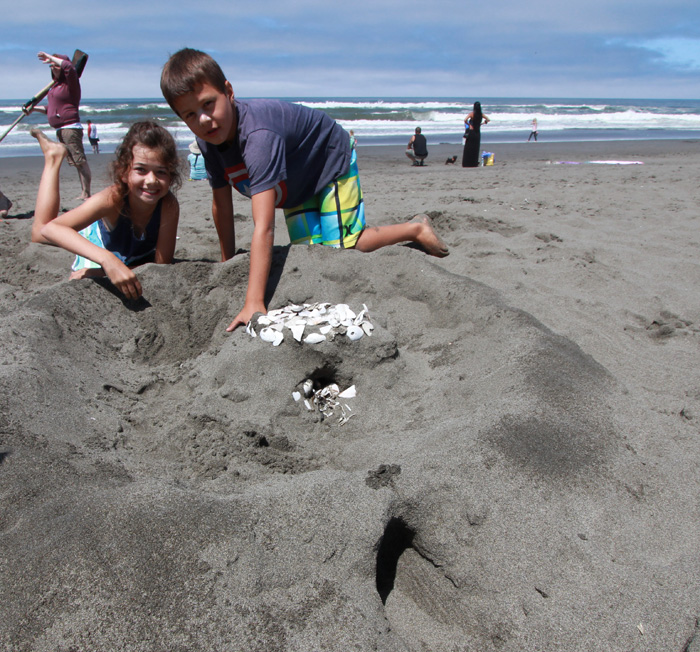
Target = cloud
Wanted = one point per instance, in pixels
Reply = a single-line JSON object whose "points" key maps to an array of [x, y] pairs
{"points": [[681, 53], [372, 47]]}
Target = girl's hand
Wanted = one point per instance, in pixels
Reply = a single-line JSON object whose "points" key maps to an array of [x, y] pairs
{"points": [[123, 278]]}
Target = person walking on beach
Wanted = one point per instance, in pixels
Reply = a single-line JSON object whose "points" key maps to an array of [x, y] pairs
{"points": [[92, 137], [280, 155], [131, 222], [417, 148], [63, 115], [472, 143], [533, 132]]}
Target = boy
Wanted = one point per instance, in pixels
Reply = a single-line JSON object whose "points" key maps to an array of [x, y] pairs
{"points": [[281, 155]]}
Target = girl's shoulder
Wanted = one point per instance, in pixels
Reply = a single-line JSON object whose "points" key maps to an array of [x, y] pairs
{"points": [[170, 200], [170, 207], [109, 203]]}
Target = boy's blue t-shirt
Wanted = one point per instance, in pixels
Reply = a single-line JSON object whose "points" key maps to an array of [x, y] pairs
{"points": [[290, 147]]}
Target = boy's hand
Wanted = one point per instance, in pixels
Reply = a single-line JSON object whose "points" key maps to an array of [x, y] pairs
{"points": [[245, 315]]}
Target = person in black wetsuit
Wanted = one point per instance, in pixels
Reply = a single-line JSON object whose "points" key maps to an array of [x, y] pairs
{"points": [[472, 124]]}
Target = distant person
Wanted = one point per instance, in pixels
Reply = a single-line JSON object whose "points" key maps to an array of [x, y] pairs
{"points": [[472, 135], [198, 171], [5, 206], [92, 137], [131, 222], [353, 140], [533, 130], [62, 112], [281, 155], [417, 148]]}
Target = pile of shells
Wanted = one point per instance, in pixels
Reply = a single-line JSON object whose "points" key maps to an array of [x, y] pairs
{"points": [[328, 400], [320, 322]]}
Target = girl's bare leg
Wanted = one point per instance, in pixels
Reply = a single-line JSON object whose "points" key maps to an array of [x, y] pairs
{"points": [[48, 198], [418, 230]]}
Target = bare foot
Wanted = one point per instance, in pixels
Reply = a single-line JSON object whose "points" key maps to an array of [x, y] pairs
{"points": [[87, 272], [428, 239], [52, 150]]}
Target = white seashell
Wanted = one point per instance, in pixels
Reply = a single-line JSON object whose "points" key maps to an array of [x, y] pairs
{"points": [[297, 330], [354, 332], [367, 327], [350, 392], [343, 313], [308, 387], [307, 404], [326, 329], [264, 320], [314, 338], [267, 335], [296, 396], [270, 335]]}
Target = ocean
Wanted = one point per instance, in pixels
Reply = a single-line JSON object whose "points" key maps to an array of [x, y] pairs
{"points": [[392, 121]]}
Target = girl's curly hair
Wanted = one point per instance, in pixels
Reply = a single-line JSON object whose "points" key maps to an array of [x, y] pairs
{"points": [[151, 135]]}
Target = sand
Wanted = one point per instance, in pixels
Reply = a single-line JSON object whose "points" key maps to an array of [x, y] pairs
{"points": [[520, 473]]}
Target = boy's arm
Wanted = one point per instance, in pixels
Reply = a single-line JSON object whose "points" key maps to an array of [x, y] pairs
{"points": [[222, 212], [260, 257]]}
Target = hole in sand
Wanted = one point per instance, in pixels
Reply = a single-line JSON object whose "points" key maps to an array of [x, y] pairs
{"points": [[327, 375], [397, 538]]}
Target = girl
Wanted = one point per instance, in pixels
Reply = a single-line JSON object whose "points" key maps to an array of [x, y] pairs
{"points": [[132, 222]]}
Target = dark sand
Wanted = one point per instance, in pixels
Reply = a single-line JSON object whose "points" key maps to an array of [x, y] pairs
{"points": [[521, 473]]}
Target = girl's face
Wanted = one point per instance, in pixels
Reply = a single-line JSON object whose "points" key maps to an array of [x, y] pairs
{"points": [[148, 178]]}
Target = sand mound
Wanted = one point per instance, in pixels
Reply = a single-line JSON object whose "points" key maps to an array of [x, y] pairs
{"points": [[174, 492]]}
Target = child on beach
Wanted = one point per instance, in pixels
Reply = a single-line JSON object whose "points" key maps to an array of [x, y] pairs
{"points": [[131, 222], [282, 156]]}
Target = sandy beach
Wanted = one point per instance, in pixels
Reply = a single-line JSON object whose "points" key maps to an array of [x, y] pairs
{"points": [[520, 471]]}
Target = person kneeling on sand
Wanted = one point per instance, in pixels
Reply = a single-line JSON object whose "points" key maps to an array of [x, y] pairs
{"points": [[131, 222], [281, 155], [417, 148]]}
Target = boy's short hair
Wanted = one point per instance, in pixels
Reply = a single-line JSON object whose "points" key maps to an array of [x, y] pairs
{"points": [[185, 70]]}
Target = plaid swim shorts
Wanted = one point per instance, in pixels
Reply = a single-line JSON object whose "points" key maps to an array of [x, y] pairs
{"points": [[334, 217]]}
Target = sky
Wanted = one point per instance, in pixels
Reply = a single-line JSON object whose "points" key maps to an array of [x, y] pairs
{"points": [[367, 48]]}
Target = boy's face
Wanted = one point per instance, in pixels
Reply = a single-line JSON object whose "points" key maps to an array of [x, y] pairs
{"points": [[209, 113]]}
